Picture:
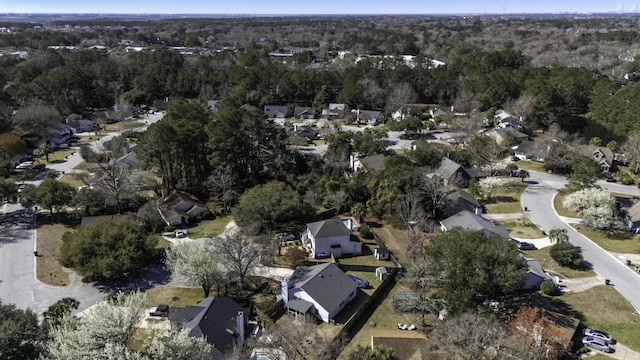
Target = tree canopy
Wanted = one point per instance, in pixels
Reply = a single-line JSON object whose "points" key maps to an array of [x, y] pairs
{"points": [[467, 267], [270, 207], [107, 249]]}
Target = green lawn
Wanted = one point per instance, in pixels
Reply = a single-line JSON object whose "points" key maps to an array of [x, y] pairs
{"points": [[620, 241], [174, 296], [604, 308], [531, 165], [58, 155], [71, 180], [553, 268], [506, 201], [557, 204], [206, 228], [522, 228]]}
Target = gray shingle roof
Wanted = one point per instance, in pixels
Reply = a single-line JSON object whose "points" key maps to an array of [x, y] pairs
{"points": [[447, 168], [373, 162], [468, 220], [324, 283], [210, 319], [328, 228], [536, 268]]}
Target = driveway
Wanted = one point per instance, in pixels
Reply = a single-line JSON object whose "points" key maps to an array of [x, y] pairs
{"points": [[538, 197]]}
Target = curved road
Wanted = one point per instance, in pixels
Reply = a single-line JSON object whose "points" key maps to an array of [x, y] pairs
{"points": [[18, 283], [538, 197]]}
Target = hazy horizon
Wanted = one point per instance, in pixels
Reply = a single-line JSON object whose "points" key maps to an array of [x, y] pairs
{"points": [[327, 7]]}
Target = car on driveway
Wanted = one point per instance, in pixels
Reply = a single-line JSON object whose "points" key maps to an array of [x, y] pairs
{"points": [[598, 334], [611, 179], [596, 343], [522, 245], [180, 234]]}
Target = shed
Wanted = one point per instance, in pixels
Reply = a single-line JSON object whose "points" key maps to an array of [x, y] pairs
{"points": [[381, 273], [382, 253]]}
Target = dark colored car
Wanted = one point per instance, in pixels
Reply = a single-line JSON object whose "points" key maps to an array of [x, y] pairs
{"points": [[611, 179], [526, 246]]}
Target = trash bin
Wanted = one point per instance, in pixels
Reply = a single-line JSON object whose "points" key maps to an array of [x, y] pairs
{"points": [[628, 262], [35, 253], [607, 281]]}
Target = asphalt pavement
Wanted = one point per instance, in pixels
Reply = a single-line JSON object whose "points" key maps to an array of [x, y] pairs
{"points": [[538, 198], [18, 283]]}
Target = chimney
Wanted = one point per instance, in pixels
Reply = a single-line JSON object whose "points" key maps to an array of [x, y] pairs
{"points": [[284, 288], [240, 321]]}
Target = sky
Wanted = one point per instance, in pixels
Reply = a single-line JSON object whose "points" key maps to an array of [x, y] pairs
{"points": [[309, 7]]}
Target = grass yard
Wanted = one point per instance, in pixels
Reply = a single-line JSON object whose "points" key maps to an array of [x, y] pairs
{"points": [[507, 200], [384, 317], [619, 241], [58, 156], [49, 242], [551, 266], [71, 180], [174, 296], [557, 204], [209, 227], [604, 308], [531, 165], [522, 228]]}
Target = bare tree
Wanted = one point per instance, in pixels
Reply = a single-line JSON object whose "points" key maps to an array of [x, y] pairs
{"points": [[401, 95], [195, 264], [238, 256], [222, 184], [434, 192], [486, 151], [337, 200], [631, 149], [302, 341], [470, 336], [373, 94], [115, 183], [409, 208], [522, 107], [123, 107]]}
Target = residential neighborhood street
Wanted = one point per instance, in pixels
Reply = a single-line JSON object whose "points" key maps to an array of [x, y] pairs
{"points": [[18, 283], [538, 198]]}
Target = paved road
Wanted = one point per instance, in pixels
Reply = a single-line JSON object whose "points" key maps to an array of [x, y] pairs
{"points": [[18, 284], [538, 197]]}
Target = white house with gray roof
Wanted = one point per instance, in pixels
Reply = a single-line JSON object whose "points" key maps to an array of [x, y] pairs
{"points": [[469, 221], [535, 275], [331, 237], [320, 290]]}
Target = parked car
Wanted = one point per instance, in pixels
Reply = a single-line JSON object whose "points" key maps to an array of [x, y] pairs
{"points": [[526, 246], [21, 186], [27, 165], [596, 343], [598, 334], [515, 158], [286, 236], [180, 233], [611, 179]]}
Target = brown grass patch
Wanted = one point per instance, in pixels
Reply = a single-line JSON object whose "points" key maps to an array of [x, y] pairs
{"points": [[49, 242]]}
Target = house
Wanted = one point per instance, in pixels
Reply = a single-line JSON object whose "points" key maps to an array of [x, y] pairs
{"points": [[331, 237], [334, 111], [220, 320], [162, 104], [306, 113], [458, 200], [305, 132], [56, 134], [178, 207], [453, 173], [367, 163], [105, 116], [320, 290], [505, 135], [507, 120], [80, 126], [276, 111], [406, 111], [633, 218], [469, 221], [535, 275], [369, 117], [602, 155], [531, 150]]}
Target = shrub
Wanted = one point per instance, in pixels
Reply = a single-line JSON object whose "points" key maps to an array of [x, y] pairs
{"points": [[627, 179], [567, 255], [169, 228], [365, 232], [548, 287]]}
